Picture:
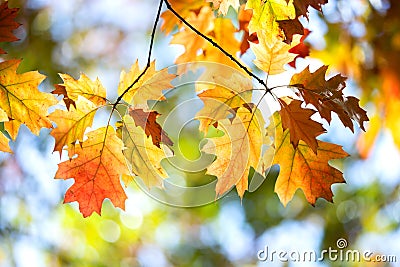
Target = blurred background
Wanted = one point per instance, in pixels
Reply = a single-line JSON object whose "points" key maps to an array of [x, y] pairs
{"points": [[359, 38]]}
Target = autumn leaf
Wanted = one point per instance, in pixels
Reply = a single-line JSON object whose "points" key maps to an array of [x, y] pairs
{"points": [[143, 157], [4, 143], [96, 171], [21, 99], [219, 103], [72, 124], [301, 168], [237, 150], [184, 8], [7, 24], [266, 14], [60, 90], [84, 86], [301, 126], [150, 86], [302, 49], [147, 120], [272, 54], [301, 6], [293, 26], [204, 22], [244, 17], [223, 5], [327, 96], [224, 35]]}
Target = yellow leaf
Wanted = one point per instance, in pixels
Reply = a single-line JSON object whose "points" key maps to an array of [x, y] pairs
{"points": [[272, 53], [4, 146], [72, 123], [21, 99], [237, 150], [92, 90], [96, 171], [265, 16], [12, 128], [142, 155], [219, 103], [150, 86]]}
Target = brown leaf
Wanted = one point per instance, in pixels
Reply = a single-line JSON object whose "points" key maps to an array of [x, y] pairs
{"points": [[301, 126], [327, 96], [147, 120], [61, 90]]}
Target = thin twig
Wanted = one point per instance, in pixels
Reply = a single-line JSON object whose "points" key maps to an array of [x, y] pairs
{"points": [[216, 45], [153, 33]]}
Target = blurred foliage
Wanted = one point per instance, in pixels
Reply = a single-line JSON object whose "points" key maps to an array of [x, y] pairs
{"points": [[362, 39]]}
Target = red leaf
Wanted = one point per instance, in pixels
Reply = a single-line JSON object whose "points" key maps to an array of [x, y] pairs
{"points": [[7, 24]]}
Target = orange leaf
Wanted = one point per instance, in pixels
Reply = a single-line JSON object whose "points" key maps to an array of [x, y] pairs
{"points": [[184, 8], [147, 120], [7, 24], [96, 171], [21, 99], [301, 168], [237, 150], [204, 22], [301, 126]]}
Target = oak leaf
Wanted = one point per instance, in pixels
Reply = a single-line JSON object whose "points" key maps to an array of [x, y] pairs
{"points": [[147, 120], [224, 35], [96, 170], [4, 143], [84, 86], [327, 96], [143, 157], [72, 124], [59, 89], [7, 24], [237, 150], [150, 85], [301, 168], [272, 54], [183, 8], [301, 126], [21, 99], [266, 14], [219, 103], [203, 22]]}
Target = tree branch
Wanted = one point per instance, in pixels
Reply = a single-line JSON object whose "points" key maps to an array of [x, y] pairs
{"points": [[153, 33], [170, 8]]}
